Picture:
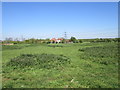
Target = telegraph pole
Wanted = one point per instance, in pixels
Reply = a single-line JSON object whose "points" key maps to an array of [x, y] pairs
{"points": [[65, 35]]}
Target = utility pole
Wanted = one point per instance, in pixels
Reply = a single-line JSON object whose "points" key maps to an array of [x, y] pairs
{"points": [[65, 35]]}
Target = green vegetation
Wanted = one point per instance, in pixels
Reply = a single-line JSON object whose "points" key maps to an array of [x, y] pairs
{"points": [[18, 46], [38, 61], [47, 41], [12, 47], [74, 65], [101, 55]]}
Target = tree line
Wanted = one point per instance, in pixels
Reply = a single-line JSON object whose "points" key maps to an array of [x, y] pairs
{"points": [[71, 40]]}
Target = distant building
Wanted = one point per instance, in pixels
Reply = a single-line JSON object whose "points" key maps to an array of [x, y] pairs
{"points": [[54, 40]]}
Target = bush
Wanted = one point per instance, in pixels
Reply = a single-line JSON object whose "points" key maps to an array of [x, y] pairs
{"points": [[39, 60], [103, 54], [81, 50], [80, 41], [12, 47]]}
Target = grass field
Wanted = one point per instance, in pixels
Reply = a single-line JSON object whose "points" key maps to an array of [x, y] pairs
{"points": [[75, 65]]}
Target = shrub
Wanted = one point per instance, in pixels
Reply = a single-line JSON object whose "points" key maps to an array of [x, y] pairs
{"points": [[81, 50], [55, 45], [103, 54], [39, 60], [7, 47]]}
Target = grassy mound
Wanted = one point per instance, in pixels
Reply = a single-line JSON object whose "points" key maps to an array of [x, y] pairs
{"points": [[56, 46], [39, 60], [103, 55]]}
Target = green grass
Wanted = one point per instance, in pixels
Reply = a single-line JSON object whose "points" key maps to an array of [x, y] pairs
{"points": [[17, 46], [92, 65]]}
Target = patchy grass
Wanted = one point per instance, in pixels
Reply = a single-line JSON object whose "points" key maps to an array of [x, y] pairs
{"points": [[45, 61], [103, 55], [18, 46], [92, 65]]}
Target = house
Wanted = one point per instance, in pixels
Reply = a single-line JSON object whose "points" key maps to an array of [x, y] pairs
{"points": [[54, 40]]}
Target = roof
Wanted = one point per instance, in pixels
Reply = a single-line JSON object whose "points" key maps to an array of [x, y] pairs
{"points": [[54, 39], [60, 39]]}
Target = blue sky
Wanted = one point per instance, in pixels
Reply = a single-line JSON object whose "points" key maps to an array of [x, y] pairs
{"points": [[52, 19]]}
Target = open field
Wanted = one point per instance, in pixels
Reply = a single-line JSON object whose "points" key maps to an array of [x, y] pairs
{"points": [[75, 65]]}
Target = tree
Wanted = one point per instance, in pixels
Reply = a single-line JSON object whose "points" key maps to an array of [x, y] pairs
{"points": [[63, 41], [26, 41], [73, 39], [108, 40], [8, 40], [47, 40], [80, 41]]}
